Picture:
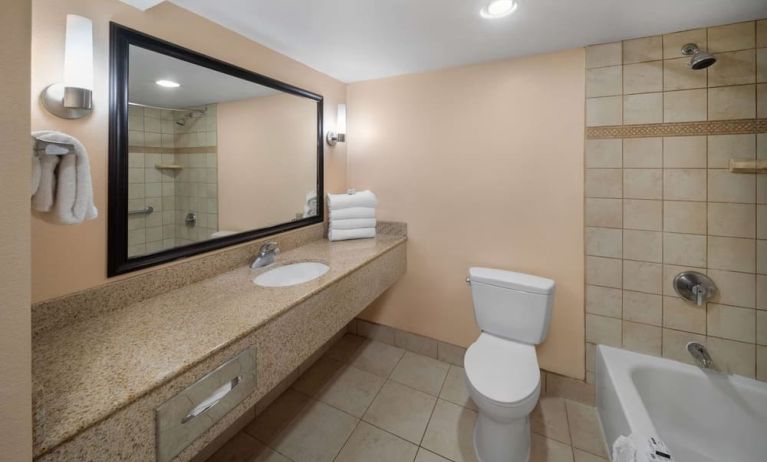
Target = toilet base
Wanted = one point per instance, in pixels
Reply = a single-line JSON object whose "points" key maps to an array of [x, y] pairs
{"points": [[502, 442]]}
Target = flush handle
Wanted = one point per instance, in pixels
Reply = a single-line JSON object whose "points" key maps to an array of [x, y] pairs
{"points": [[215, 398]]}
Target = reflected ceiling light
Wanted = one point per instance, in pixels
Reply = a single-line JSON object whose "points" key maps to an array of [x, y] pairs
{"points": [[498, 9], [168, 83]]}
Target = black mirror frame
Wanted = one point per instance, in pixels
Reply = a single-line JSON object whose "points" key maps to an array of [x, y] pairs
{"points": [[117, 240]]}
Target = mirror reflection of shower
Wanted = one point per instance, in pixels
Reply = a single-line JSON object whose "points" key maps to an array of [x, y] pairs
{"points": [[193, 114]]}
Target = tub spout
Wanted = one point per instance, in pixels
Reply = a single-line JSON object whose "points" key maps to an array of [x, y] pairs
{"points": [[700, 354]]}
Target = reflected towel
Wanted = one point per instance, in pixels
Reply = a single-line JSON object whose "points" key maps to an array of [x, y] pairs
{"points": [[44, 194], [73, 199], [344, 234], [353, 212], [353, 223], [358, 199]]}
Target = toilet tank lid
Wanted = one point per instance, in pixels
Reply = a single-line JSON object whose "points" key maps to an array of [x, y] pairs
{"points": [[512, 280]]}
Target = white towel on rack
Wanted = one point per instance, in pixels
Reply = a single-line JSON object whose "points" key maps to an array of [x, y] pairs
{"points": [[353, 223], [344, 234], [358, 199], [36, 170], [352, 212], [70, 185]]}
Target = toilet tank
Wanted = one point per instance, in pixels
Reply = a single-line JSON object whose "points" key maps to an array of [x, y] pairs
{"points": [[515, 306]]}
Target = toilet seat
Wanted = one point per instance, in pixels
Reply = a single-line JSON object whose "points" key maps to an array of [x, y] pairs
{"points": [[503, 372]]}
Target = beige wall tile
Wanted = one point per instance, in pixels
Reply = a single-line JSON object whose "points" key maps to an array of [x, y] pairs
{"points": [[685, 217], [604, 213], [643, 245], [680, 314], [643, 77], [673, 43], [761, 221], [643, 214], [761, 292], [642, 276], [738, 102], [604, 81], [722, 148], [645, 108], [732, 220], [732, 357], [452, 354], [642, 338], [684, 249], [607, 110], [603, 330], [604, 272], [736, 289], [761, 145], [761, 363], [604, 242], [761, 65], [642, 184], [684, 152], [677, 75], [733, 68], [591, 357], [761, 33], [641, 307], [761, 189], [604, 182], [604, 153], [731, 322], [761, 100], [761, 327], [675, 345], [734, 254], [739, 36], [761, 256], [608, 54], [643, 49], [643, 153], [604, 301], [568, 388], [684, 184], [684, 105]]}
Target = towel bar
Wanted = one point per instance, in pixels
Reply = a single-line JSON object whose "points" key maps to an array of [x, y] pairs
{"points": [[144, 211]]}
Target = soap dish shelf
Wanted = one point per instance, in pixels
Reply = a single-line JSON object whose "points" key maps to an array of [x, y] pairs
{"points": [[748, 166]]}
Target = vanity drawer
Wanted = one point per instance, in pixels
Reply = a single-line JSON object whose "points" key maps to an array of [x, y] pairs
{"points": [[183, 418]]}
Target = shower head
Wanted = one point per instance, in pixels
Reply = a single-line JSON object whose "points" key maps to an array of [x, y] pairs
{"points": [[699, 58]]}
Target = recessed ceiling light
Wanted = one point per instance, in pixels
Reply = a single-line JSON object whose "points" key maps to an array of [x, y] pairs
{"points": [[498, 9], [168, 83]]}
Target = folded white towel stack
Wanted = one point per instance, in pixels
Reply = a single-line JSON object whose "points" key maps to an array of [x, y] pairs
{"points": [[352, 215], [61, 183]]}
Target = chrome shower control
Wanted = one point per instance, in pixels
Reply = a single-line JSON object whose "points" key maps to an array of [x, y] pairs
{"points": [[695, 287]]}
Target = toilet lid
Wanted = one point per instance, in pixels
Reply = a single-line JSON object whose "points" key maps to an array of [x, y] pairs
{"points": [[502, 370]]}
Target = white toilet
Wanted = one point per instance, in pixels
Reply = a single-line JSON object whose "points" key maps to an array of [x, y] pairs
{"points": [[513, 311]]}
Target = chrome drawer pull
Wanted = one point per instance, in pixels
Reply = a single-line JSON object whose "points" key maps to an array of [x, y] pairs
{"points": [[212, 400]]}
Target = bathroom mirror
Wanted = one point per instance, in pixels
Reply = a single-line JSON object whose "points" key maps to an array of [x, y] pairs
{"points": [[203, 154]]}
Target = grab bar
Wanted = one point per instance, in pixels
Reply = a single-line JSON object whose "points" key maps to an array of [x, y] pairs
{"points": [[144, 211]]}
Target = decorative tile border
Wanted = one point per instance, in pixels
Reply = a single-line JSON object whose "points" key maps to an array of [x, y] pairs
{"points": [[711, 127], [161, 150]]}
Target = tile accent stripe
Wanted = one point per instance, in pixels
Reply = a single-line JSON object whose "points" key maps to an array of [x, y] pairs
{"points": [[711, 127]]}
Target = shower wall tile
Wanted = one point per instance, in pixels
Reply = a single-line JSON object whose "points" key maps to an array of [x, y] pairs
{"points": [[662, 200]]}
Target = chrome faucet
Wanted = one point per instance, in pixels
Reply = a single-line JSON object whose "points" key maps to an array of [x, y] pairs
{"points": [[700, 354], [265, 255]]}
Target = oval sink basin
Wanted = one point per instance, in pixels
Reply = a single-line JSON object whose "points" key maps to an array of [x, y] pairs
{"points": [[290, 275]]}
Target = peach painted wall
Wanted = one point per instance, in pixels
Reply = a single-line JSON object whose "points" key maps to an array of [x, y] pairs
{"points": [[488, 162], [15, 323], [66, 259], [267, 158]]}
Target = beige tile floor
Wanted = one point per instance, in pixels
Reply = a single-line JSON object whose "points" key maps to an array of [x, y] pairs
{"points": [[366, 401]]}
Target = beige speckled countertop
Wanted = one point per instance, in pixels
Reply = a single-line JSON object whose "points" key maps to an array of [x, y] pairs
{"points": [[86, 371]]}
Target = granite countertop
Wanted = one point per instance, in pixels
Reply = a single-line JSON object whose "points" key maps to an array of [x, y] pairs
{"points": [[86, 371]]}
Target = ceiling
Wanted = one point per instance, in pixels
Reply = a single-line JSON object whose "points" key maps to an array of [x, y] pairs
{"points": [[354, 40], [199, 85]]}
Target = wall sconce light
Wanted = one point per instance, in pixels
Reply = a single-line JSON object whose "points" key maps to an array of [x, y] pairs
{"points": [[338, 136], [73, 98]]}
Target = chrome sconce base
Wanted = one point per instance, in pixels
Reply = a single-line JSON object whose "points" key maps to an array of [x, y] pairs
{"points": [[67, 102], [332, 138]]}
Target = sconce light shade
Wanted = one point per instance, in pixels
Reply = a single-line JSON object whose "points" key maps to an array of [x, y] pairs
{"points": [[72, 99], [338, 136]]}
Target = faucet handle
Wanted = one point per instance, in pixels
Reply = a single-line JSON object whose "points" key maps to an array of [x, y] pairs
{"points": [[269, 247]]}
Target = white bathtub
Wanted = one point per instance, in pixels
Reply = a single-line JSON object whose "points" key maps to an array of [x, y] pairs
{"points": [[701, 416]]}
